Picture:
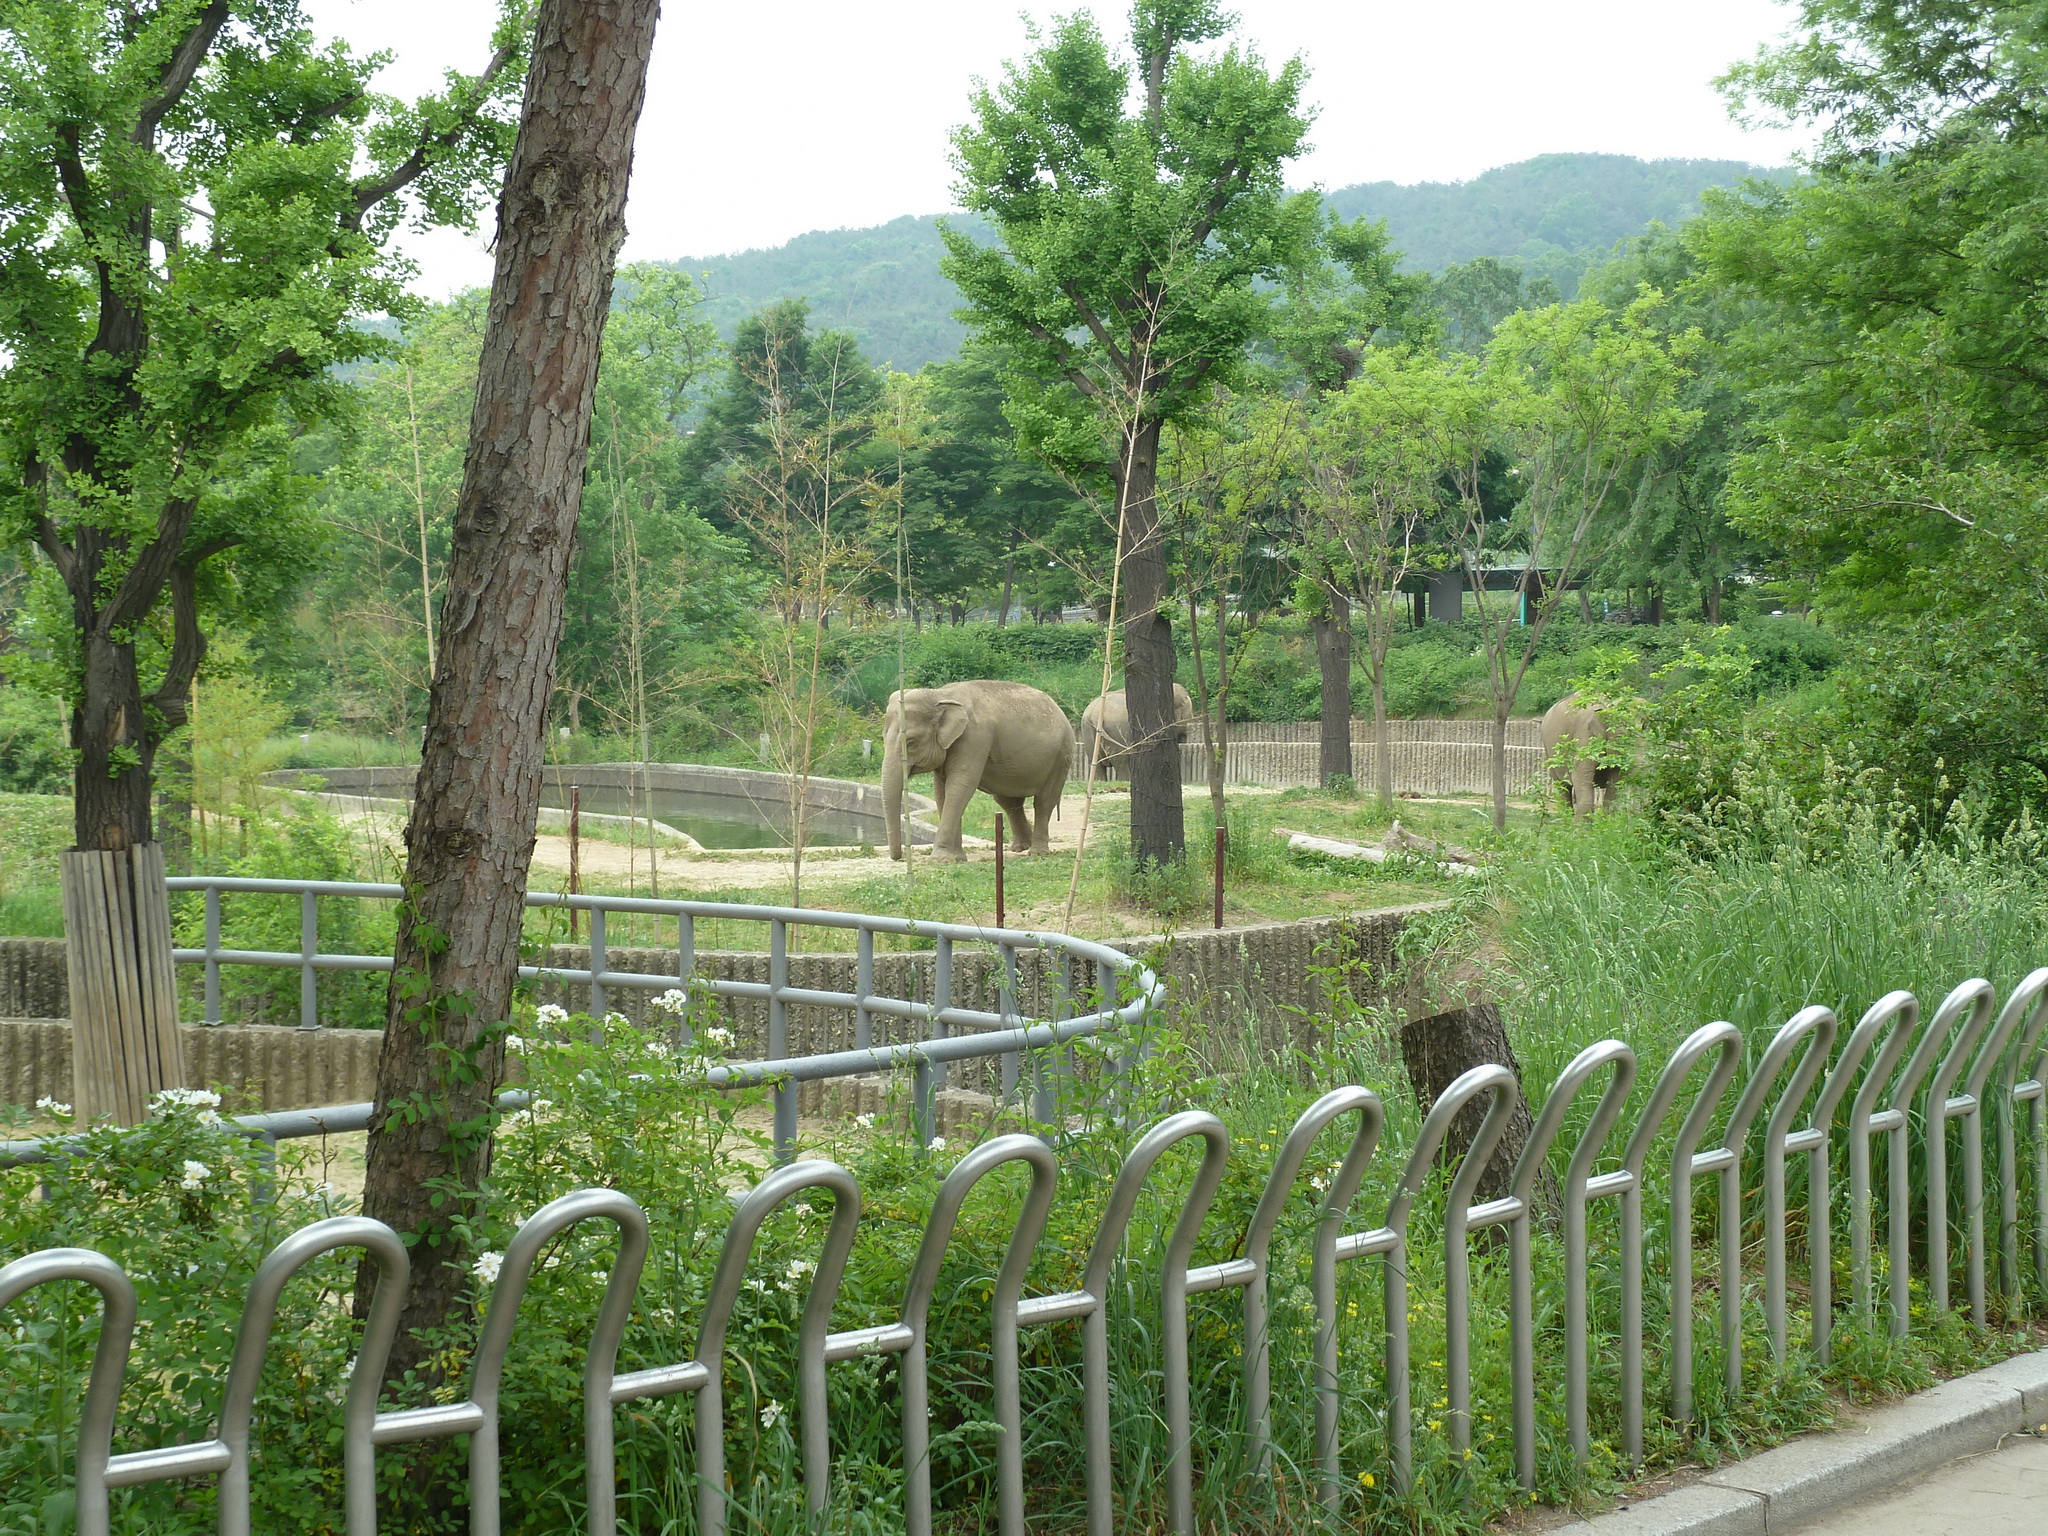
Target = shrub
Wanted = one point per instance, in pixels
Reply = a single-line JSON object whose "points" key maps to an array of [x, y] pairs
{"points": [[35, 758]]}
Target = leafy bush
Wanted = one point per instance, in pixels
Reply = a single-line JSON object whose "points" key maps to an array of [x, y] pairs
{"points": [[1430, 680], [35, 758]]}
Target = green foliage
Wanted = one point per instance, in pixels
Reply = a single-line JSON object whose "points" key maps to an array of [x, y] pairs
{"points": [[197, 209], [35, 759]]}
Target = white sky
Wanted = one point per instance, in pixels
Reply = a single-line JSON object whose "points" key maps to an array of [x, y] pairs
{"points": [[765, 120]]}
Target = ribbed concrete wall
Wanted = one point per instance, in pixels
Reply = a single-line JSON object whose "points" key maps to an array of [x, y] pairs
{"points": [[1232, 990], [1430, 757]]}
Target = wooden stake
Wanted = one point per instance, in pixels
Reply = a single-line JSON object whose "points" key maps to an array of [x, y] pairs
{"points": [[1001, 834], [1222, 844], [575, 851]]}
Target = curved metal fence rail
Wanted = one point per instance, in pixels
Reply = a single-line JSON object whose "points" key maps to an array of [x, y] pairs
{"points": [[1121, 986], [1964, 1062]]}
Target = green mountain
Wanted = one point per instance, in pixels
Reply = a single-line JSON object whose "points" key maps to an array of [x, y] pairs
{"points": [[1555, 213]]}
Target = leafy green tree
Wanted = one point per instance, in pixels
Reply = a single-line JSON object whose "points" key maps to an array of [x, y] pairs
{"points": [[197, 198], [1895, 354], [1140, 204]]}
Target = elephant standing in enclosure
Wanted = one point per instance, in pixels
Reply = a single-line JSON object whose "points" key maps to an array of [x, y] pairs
{"points": [[1106, 727], [1586, 778], [1007, 738]]}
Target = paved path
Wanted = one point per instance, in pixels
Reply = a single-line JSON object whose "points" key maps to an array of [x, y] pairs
{"points": [[2001, 1493]]}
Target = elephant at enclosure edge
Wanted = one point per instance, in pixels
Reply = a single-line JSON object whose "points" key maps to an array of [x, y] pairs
{"points": [[1586, 780], [1106, 727], [1007, 738]]}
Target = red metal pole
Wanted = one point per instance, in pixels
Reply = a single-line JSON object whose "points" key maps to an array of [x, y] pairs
{"points": [[575, 851], [1000, 836]]}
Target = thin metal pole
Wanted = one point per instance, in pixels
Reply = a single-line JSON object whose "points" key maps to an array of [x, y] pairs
{"points": [[778, 1037], [213, 954], [575, 851], [309, 946]]}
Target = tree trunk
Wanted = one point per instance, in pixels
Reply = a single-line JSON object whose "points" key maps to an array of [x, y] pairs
{"points": [[1333, 661], [1158, 827], [1009, 582], [470, 837], [1382, 738], [110, 732], [1500, 767], [174, 805], [1440, 1049], [1585, 607], [1714, 601]]}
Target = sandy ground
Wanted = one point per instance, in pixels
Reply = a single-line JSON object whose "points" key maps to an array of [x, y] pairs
{"points": [[755, 868]]}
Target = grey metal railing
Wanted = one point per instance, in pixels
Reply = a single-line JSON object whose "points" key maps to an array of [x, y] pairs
{"points": [[1121, 986], [1998, 1062]]}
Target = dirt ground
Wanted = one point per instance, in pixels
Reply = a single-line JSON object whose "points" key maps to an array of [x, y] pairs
{"points": [[752, 868]]}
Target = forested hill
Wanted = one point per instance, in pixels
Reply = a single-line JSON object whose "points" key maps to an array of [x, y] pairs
{"points": [[1553, 213]]}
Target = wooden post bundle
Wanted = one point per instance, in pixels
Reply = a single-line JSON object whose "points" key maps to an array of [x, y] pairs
{"points": [[124, 995]]}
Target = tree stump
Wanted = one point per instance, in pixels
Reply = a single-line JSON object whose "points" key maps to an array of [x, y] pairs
{"points": [[1441, 1048], [124, 994]]}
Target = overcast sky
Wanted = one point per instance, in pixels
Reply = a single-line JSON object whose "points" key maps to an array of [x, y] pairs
{"points": [[765, 120]]}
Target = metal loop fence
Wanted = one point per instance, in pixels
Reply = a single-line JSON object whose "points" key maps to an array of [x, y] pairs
{"points": [[1787, 1105]]}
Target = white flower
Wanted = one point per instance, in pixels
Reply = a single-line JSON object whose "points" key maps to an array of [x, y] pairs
{"points": [[50, 1106], [798, 1268], [674, 1001], [184, 1098], [516, 1044], [1318, 1181], [518, 1118], [722, 1038], [801, 1208], [324, 1190], [550, 1013], [660, 1050], [487, 1266], [617, 1020], [758, 1285], [771, 1414], [210, 1117], [196, 1175]]}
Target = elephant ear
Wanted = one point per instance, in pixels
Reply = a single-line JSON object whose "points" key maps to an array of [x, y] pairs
{"points": [[952, 722]]}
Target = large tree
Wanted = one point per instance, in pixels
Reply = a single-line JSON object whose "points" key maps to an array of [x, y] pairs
{"points": [[1895, 354], [1140, 205], [196, 201], [469, 841]]}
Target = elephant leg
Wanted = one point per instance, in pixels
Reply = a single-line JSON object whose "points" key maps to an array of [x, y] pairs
{"points": [[956, 788], [1583, 776], [1012, 807], [1045, 805], [1608, 792]]}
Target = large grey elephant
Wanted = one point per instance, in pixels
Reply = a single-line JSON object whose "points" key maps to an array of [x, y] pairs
{"points": [[1106, 727], [1006, 738], [1584, 777]]}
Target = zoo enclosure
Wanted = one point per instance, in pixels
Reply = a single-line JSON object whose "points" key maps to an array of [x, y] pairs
{"points": [[1803, 1098]]}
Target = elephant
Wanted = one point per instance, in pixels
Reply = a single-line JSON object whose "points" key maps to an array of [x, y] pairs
{"points": [[1007, 738], [1106, 727], [1585, 779]]}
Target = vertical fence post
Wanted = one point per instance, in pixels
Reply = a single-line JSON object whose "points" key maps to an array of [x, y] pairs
{"points": [[599, 962], [213, 954], [1001, 838], [778, 1037], [309, 945]]}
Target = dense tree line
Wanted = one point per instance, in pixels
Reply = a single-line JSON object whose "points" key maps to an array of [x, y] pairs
{"points": [[1239, 420]]}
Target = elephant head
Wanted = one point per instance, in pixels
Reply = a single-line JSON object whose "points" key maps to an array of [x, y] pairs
{"points": [[923, 726]]}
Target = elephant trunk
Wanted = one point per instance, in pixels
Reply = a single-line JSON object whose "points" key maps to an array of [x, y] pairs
{"points": [[892, 793]]}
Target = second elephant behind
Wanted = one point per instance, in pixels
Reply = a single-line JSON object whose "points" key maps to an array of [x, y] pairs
{"points": [[1106, 727]]}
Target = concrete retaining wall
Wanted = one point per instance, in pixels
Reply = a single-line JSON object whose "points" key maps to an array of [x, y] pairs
{"points": [[1234, 990], [1430, 757]]}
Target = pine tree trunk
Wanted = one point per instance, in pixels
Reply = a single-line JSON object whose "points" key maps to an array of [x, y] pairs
{"points": [[470, 837], [1333, 660], [1158, 828], [1500, 767]]}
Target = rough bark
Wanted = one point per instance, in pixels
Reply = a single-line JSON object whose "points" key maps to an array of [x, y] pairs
{"points": [[470, 837], [1333, 661], [1441, 1048], [1158, 827]]}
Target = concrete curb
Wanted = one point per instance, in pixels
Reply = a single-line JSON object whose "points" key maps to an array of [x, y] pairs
{"points": [[1768, 1494]]}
